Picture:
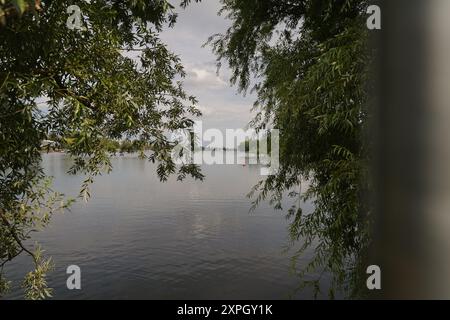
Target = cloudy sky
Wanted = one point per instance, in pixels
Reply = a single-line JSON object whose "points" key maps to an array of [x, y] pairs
{"points": [[222, 106]]}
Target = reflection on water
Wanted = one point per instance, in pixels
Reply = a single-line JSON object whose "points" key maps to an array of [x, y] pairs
{"points": [[140, 239]]}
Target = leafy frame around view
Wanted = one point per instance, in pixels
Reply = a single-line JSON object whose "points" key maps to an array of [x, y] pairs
{"points": [[307, 61]]}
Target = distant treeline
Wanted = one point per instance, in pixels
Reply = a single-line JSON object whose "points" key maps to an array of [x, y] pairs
{"points": [[55, 143], [263, 145]]}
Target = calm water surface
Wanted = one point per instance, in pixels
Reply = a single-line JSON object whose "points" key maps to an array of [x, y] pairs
{"points": [[141, 239]]}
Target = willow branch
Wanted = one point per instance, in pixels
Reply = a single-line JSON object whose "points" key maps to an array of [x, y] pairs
{"points": [[16, 237]]}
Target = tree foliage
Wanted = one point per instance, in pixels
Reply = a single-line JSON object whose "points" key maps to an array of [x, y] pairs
{"points": [[308, 62], [113, 80]]}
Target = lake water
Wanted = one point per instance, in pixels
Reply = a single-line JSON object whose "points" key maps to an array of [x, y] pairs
{"points": [[138, 238]]}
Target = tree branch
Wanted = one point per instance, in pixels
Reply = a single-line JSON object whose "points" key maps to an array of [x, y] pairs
{"points": [[15, 236]]}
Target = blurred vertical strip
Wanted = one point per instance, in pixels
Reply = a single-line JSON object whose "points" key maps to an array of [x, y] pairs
{"points": [[412, 233], [438, 165]]}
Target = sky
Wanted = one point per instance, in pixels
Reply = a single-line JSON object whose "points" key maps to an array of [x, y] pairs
{"points": [[221, 104]]}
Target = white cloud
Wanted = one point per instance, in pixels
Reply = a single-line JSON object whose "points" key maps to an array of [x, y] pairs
{"points": [[205, 77]]}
